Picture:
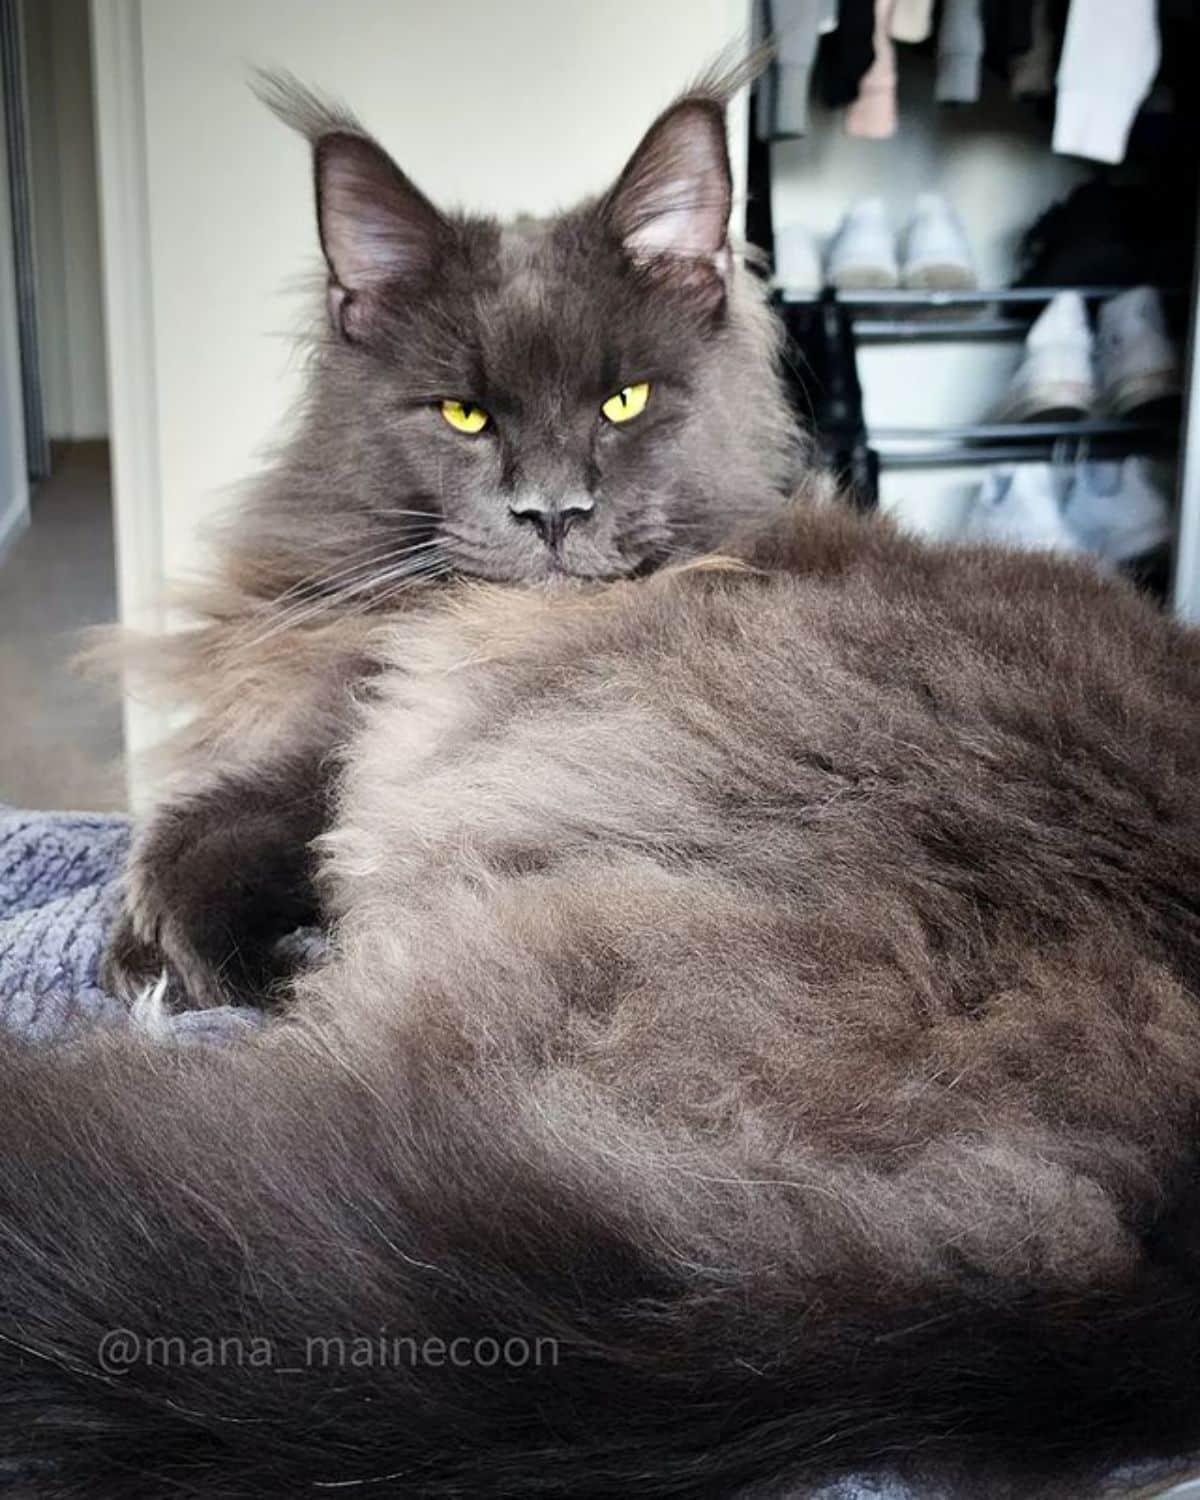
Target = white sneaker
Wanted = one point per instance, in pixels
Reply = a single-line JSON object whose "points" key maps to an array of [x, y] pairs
{"points": [[1020, 508], [1117, 511], [797, 260], [936, 252], [862, 254], [1055, 374], [1135, 360]]}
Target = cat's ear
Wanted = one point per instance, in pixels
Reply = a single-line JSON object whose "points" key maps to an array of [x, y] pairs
{"points": [[377, 229], [670, 207]]}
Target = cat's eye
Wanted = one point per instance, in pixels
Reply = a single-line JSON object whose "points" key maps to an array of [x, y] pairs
{"points": [[465, 416], [629, 402]]}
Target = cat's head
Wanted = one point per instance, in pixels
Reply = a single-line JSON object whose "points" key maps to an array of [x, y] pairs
{"points": [[587, 395]]}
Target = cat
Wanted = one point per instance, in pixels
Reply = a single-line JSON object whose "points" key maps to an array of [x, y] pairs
{"points": [[539, 403], [759, 1044], [758, 1041]]}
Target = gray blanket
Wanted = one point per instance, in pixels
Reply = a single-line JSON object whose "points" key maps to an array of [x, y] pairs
{"points": [[60, 886]]}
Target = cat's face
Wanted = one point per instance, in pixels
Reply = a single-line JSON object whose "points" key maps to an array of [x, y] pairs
{"points": [[546, 394], [558, 398]]}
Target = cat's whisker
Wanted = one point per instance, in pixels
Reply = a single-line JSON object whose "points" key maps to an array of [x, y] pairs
{"points": [[432, 563], [365, 589], [305, 589], [408, 569], [305, 610], [382, 552], [404, 526], [370, 561], [382, 600], [437, 568], [373, 578]]}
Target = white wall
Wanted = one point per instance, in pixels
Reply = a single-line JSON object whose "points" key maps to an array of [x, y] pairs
{"points": [[527, 105], [993, 161], [66, 218]]}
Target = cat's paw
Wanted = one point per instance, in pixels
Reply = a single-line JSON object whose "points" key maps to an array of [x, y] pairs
{"points": [[155, 959], [215, 891], [222, 933]]}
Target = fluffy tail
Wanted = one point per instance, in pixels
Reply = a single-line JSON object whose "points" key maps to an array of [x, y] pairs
{"points": [[279, 1268]]}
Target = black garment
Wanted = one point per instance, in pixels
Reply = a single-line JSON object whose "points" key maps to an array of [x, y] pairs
{"points": [[1007, 32], [1179, 30], [1104, 234], [848, 52]]}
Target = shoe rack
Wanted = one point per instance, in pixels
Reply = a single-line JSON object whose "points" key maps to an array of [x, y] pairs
{"points": [[906, 316], [895, 383]]}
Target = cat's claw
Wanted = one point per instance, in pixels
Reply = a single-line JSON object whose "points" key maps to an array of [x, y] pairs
{"points": [[149, 1011]]}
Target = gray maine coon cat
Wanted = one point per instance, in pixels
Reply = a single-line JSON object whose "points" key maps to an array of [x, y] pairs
{"points": [[767, 989]]}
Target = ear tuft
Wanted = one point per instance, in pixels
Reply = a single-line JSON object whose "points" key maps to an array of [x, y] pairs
{"points": [[670, 207], [302, 109]]}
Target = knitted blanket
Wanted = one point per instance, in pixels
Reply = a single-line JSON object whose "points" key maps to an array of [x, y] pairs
{"points": [[60, 877]]}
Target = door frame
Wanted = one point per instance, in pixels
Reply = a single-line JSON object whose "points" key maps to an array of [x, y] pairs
{"points": [[14, 476], [128, 286]]}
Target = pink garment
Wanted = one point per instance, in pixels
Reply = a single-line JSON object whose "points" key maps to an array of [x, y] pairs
{"points": [[873, 114]]}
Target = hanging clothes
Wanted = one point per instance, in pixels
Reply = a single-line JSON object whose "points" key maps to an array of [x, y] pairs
{"points": [[795, 28], [1110, 58], [960, 52], [1033, 70], [848, 52], [873, 113], [782, 93], [1007, 32]]}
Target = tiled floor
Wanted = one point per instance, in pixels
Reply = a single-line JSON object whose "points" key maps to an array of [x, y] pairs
{"points": [[60, 736]]}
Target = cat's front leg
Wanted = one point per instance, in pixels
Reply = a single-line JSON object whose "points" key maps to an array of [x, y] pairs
{"points": [[217, 885]]}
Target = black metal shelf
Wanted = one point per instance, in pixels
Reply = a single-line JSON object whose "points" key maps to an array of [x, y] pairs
{"points": [[1017, 442], [928, 330], [924, 297], [971, 432], [907, 315]]}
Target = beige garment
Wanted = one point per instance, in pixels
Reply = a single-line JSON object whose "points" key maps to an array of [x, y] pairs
{"points": [[912, 20], [873, 114]]}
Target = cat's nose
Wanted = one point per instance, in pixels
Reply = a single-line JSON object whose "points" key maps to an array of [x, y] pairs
{"points": [[553, 518]]}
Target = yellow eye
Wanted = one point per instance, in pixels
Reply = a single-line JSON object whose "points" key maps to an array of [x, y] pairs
{"points": [[629, 402], [465, 416]]}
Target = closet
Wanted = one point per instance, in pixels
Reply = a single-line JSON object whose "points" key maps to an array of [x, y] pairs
{"points": [[903, 384]]}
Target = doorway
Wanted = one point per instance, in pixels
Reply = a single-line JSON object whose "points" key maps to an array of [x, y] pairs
{"points": [[60, 738]]}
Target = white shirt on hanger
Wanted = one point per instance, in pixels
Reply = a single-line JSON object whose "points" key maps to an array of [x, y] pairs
{"points": [[1109, 61]]}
